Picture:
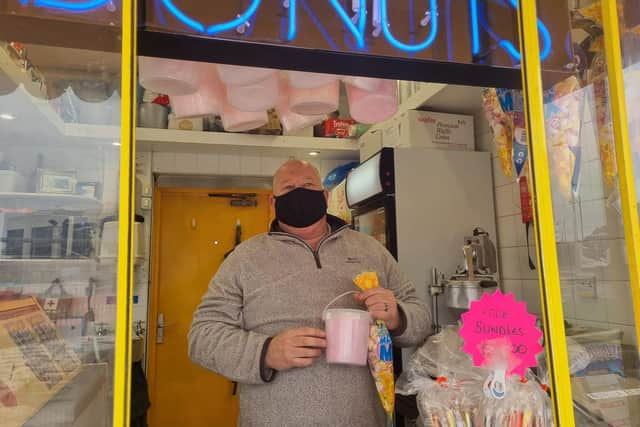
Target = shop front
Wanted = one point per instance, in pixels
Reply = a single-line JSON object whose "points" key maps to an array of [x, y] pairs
{"points": [[491, 146]]}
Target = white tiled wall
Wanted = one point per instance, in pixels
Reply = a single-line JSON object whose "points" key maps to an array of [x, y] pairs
{"points": [[590, 239], [228, 164]]}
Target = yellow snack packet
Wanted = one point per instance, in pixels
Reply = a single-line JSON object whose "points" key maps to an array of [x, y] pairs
{"points": [[380, 355], [367, 280]]}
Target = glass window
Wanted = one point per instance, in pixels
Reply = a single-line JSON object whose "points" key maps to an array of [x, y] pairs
{"points": [[594, 269], [59, 175], [630, 40]]}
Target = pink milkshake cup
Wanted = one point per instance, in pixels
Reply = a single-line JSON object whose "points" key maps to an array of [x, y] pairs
{"points": [[347, 334]]}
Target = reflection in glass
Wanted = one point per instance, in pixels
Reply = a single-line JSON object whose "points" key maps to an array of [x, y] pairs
{"points": [[599, 318], [59, 160]]}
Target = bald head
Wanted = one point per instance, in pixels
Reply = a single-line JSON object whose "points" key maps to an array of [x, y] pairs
{"points": [[296, 173]]}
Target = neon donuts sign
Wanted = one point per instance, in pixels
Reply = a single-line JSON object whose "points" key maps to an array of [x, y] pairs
{"points": [[354, 22]]}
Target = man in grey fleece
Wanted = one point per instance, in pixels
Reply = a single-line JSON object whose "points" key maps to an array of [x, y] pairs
{"points": [[260, 322]]}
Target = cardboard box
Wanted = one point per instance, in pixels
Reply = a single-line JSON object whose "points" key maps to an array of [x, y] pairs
{"points": [[369, 144], [186, 124], [431, 130], [273, 126]]}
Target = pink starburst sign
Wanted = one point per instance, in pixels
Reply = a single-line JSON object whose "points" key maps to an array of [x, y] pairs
{"points": [[498, 319]]}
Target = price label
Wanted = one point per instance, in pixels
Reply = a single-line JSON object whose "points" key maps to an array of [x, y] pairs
{"points": [[498, 320]]}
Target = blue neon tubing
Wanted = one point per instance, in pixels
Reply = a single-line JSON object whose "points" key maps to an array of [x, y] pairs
{"points": [[293, 30], [475, 31], [72, 7], [410, 47], [180, 16], [230, 25], [544, 33], [347, 22]]}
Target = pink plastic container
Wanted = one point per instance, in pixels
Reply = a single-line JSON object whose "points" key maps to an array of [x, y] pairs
{"points": [[304, 80], [235, 120], [315, 101], [169, 76], [259, 96], [347, 336], [365, 83], [207, 100], [291, 121], [373, 107], [238, 75]]}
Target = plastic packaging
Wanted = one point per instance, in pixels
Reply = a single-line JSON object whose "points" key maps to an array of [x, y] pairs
{"points": [[502, 128], [579, 359], [257, 96], [455, 398], [207, 100], [305, 80], [373, 106], [442, 403], [602, 115], [564, 104], [380, 352], [292, 122], [315, 101], [169, 76], [234, 120], [239, 75], [512, 104], [365, 83]]}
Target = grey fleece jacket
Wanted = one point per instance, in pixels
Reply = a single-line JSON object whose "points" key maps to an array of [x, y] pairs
{"points": [[274, 282]]}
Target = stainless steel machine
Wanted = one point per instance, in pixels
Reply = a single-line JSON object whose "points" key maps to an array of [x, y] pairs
{"points": [[471, 280]]}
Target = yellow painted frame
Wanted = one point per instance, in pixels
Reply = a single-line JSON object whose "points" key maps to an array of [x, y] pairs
{"points": [[124, 308], [548, 272], [623, 150]]}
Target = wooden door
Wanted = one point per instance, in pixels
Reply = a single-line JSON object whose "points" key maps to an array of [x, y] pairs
{"points": [[192, 232]]}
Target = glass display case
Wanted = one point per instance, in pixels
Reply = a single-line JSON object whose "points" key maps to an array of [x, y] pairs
{"points": [[60, 149]]}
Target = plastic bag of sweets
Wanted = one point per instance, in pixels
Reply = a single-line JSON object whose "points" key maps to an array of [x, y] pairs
{"points": [[502, 128], [380, 355]]}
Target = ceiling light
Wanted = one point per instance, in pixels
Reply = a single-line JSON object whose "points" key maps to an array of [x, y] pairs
{"points": [[314, 153], [115, 143], [6, 116]]}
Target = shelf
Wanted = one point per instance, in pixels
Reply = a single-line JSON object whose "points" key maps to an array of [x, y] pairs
{"points": [[49, 202], [171, 140], [220, 142]]}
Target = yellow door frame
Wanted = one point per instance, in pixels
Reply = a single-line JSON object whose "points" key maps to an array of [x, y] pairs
{"points": [[551, 299], [124, 308], [546, 252]]}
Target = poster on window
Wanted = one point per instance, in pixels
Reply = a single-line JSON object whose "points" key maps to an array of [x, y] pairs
{"points": [[35, 363]]}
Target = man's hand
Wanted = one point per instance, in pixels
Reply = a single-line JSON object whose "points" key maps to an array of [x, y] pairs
{"points": [[382, 305], [295, 348]]}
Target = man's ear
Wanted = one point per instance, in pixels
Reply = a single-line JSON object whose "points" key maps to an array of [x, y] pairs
{"points": [[272, 202], [326, 194]]}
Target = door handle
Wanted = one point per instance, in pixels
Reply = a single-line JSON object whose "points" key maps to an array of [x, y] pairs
{"points": [[160, 328], [234, 390]]}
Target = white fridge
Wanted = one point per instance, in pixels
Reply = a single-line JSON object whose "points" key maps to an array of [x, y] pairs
{"points": [[421, 203]]}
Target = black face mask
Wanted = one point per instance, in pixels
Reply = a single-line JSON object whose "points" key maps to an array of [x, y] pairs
{"points": [[301, 207]]}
